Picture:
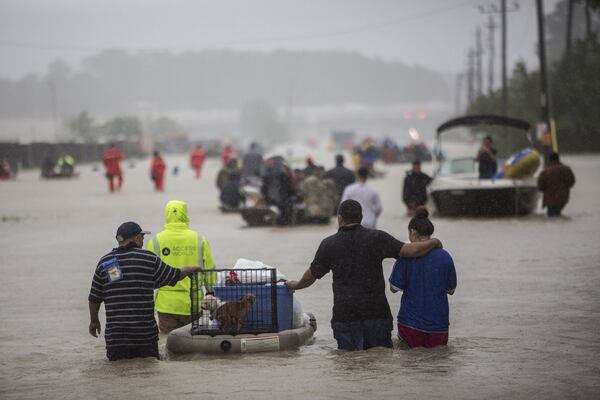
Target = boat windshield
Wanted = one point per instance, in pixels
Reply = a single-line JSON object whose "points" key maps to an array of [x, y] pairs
{"points": [[458, 146], [464, 141]]}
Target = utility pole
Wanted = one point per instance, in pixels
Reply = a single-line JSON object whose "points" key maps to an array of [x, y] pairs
{"points": [[478, 63], [549, 134], [569, 26], [471, 76], [491, 26], [458, 93], [54, 107], [492, 9]]}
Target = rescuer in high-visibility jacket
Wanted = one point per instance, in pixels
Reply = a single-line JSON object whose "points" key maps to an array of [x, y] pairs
{"points": [[179, 246]]}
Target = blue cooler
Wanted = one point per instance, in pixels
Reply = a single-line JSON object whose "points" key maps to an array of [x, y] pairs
{"points": [[260, 318]]}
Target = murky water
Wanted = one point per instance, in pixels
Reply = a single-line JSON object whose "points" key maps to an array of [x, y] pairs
{"points": [[524, 320]]}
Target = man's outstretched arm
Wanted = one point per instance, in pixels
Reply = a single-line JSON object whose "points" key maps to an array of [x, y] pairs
{"points": [[417, 249], [304, 282]]}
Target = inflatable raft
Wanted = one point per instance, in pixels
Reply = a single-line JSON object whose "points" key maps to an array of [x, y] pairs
{"points": [[521, 165], [183, 342]]}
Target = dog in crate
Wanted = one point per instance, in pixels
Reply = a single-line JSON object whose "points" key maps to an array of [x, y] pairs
{"points": [[210, 303], [232, 314]]}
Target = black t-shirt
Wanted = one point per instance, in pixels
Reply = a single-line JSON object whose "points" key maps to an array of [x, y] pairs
{"points": [[354, 254]]}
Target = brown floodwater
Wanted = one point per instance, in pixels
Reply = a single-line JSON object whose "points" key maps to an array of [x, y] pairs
{"points": [[525, 319]]}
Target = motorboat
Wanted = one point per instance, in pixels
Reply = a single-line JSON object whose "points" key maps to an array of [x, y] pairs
{"points": [[456, 189]]}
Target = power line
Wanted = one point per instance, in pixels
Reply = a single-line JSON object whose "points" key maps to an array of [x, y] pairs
{"points": [[320, 35]]}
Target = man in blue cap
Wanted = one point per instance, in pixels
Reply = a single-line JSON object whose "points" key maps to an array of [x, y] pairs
{"points": [[124, 280]]}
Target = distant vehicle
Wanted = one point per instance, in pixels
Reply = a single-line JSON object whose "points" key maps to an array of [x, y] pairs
{"points": [[344, 140], [416, 151], [456, 189]]}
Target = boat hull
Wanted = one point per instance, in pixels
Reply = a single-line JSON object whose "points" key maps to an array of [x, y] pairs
{"points": [[502, 201]]}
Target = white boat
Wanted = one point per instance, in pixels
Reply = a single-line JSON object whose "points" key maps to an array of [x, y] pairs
{"points": [[456, 189]]}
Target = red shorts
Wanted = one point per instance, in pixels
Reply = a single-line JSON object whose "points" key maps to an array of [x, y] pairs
{"points": [[416, 338]]}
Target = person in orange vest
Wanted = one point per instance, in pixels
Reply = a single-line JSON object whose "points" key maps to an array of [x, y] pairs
{"points": [[227, 154], [157, 172], [111, 159], [197, 157]]}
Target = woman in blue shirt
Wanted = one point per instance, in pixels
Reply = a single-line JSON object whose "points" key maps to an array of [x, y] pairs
{"points": [[426, 282]]}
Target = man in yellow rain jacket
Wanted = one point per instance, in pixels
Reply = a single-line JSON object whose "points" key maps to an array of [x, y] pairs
{"points": [[179, 246]]}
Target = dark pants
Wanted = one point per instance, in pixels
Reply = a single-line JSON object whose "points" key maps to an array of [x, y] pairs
{"points": [[362, 335], [121, 353], [555, 211]]}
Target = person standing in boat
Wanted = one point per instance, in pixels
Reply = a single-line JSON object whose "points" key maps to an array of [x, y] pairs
{"points": [[486, 157]]}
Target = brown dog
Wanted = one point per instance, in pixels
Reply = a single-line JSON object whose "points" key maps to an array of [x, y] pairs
{"points": [[231, 315]]}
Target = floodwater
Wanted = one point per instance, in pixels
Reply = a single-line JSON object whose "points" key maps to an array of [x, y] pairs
{"points": [[524, 320]]}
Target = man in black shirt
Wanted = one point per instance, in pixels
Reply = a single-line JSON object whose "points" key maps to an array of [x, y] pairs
{"points": [[414, 191], [361, 314], [486, 157], [125, 280], [341, 175]]}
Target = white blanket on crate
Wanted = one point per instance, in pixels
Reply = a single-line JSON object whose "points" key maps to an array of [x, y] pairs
{"points": [[246, 277]]}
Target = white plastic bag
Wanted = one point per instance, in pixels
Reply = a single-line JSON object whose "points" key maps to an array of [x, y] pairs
{"points": [[250, 277]]}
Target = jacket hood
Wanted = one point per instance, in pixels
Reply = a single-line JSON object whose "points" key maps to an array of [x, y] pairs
{"points": [[176, 211]]}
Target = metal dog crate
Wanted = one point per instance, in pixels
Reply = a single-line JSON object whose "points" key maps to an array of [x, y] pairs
{"points": [[272, 310]]}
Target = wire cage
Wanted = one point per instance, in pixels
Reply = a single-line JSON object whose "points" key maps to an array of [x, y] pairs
{"points": [[243, 301]]}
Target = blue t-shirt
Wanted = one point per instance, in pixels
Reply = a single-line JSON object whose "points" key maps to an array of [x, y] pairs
{"points": [[425, 282]]}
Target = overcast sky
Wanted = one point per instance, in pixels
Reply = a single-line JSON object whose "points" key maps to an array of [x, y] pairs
{"points": [[432, 33]]}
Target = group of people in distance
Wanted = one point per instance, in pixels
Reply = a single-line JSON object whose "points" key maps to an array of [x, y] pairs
{"points": [[308, 195], [112, 157]]}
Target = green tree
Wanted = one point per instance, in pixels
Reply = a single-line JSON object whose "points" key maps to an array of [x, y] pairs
{"points": [[128, 128], [82, 127]]}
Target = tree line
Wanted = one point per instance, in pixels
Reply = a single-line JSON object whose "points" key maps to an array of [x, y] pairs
{"points": [[574, 79]]}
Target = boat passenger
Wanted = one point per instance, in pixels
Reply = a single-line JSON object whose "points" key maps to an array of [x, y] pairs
{"points": [[486, 157]]}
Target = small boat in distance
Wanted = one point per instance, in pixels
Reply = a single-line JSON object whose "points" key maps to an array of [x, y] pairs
{"points": [[456, 189]]}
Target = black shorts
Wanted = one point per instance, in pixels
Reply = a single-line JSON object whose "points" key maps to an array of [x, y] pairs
{"points": [[124, 352]]}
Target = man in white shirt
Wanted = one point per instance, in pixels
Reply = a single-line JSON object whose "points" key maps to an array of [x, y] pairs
{"points": [[366, 196]]}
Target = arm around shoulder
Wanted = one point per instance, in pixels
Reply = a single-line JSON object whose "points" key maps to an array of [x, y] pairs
{"points": [[417, 249]]}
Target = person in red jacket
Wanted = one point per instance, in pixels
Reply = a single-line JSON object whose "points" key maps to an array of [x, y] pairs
{"points": [[227, 154], [111, 159], [157, 172], [197, 157]]}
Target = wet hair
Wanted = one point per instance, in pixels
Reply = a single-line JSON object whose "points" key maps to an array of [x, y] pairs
{"points": [[421, 223], [350, 211], [363, 172], [553, 157]]}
